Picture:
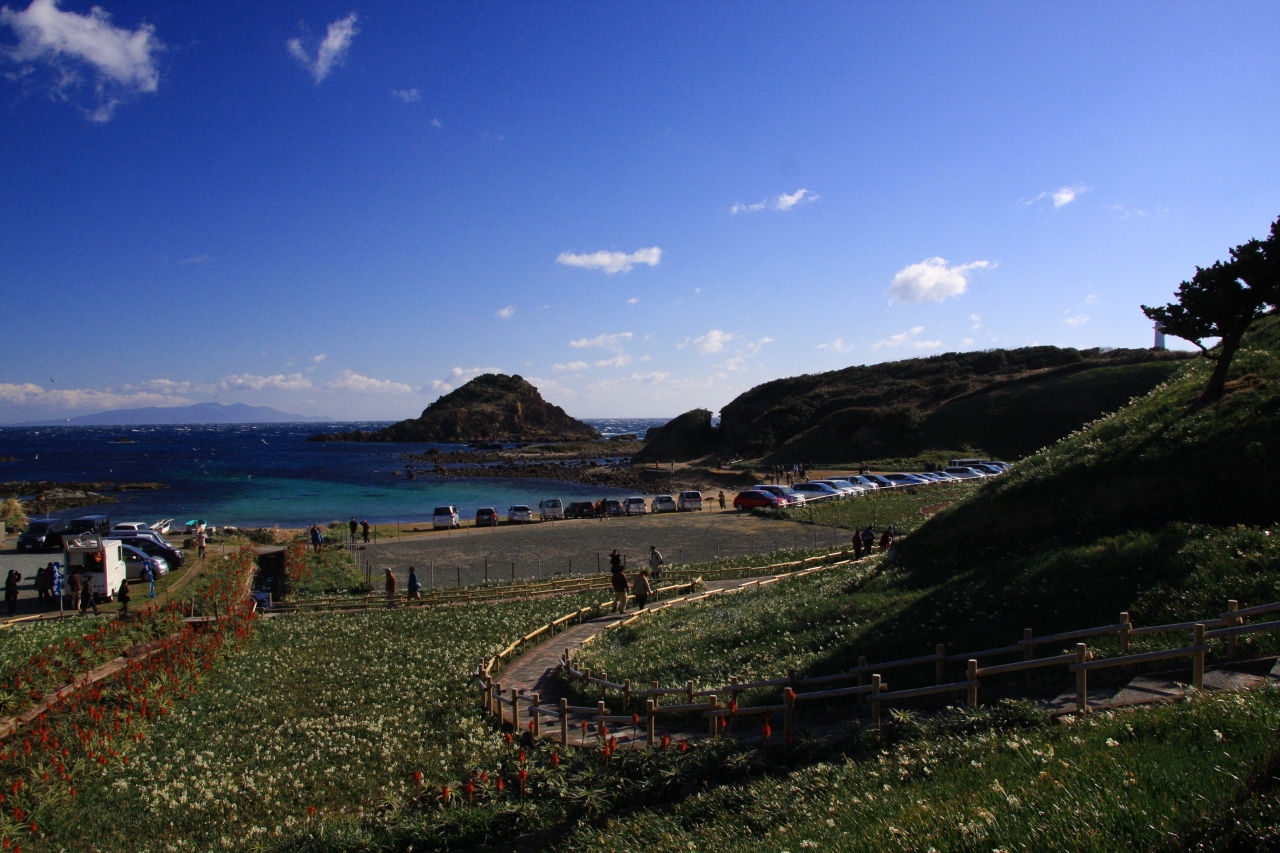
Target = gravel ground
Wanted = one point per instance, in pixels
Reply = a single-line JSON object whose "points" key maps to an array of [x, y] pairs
{"points": [[543, 549]]}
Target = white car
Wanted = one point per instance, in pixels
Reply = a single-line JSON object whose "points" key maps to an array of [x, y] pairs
{"points": [[857, 480], [663, 503], [791, 497], [906, 479], [635, 506], [132, 525], [965, 473], [845, 483], [846, 490], [689, 501], [519, 513], [445, 517], [816, 491], [550, 509]]}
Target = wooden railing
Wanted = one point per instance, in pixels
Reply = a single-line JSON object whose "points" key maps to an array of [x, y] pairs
{"points": [[870, 688]]}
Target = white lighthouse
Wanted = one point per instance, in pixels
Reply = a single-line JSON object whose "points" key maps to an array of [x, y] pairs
{"points": [[1159, 337]]}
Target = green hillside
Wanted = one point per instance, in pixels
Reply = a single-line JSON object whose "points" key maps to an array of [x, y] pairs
{"points": [[1005, 403]]}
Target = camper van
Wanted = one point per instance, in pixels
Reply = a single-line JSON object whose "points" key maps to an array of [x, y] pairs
{"points": [[100, 560]]}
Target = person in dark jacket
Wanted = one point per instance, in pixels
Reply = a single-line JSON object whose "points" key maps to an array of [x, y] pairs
{"points": [[619, 581], [857, 546], [11, 590], [886, 539], [87, 598], [354, 526], [413, 585], [868, 539], [364, 529], [642, 590], [123, 597]]}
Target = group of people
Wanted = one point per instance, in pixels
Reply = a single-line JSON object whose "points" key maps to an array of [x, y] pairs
{"points": [[781, 475], [361, 526], [79, 585], [413, 586], [864, 541], [639, 586]]}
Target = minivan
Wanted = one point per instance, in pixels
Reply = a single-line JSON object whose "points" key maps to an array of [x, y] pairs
{"points": [[151, 545], [89, 525], [551, 508], [445, 517], [689, 501], [43, 535]]}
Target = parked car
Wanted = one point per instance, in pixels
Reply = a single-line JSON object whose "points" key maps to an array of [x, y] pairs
{"points": [[663, 503], [150, 546], [132, 525], [756, 499], [858, 480], [42, 535], [790, 498], [550, 509], [903, 480], [445, 517], [149, 535], [612, 506], [635, 506], [817, 491], [690, 501], [882, 482], [519, 513], [935, 476], [988, 468], [846, 490], [135, 560], [965, 473], [842, 483], [580, 509], [89, 525], [486, 516]]}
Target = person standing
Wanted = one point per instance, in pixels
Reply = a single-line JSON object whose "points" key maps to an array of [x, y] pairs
{"points": [[202, 539], [354, 526], [642, 590], [364, 528], [857, 546], [44, 576], [317, 538], [886, 539], [391, 587], [122, 595], [618, 581], [721, 499], [87, 598], [11, 590], [868, 539], [413, 585], [656, 562]]}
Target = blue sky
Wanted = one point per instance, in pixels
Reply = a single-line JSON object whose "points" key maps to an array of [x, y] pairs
{"points": [[345, 209]]}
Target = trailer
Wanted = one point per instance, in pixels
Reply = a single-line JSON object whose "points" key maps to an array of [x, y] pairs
{"points": [[100, 561]]}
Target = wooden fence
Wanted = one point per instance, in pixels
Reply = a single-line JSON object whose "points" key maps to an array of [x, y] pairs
{"points": [[869, 687]]}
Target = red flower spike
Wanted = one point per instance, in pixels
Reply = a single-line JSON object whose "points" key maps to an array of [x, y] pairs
{"points": [[684, 746], [555, 759], [521, 756]]}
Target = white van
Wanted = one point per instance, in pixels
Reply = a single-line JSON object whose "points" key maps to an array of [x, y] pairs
{"points": [[445, 517], [101, 561], [550, 509], [689, 501]]}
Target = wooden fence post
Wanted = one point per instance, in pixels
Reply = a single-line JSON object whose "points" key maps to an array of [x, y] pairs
{"points": [[973, 683], [875, 701], [713, 721], [601, 710], [513, 569], [733, 689], [564, 722], [1082, 680], [604, 676], [788, 714], [688, 689], [1124, 633], [648, 728], [536, 718], [940, 665], [1029, 651], [1232, 621], [497, 702], [1197, 660], [515, 710]]}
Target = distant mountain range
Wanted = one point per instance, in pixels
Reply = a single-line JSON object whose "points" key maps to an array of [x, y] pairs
{"points": [[197, 413]]}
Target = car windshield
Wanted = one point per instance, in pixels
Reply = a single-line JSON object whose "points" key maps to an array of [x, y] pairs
{"points": [[37, 527], [443, 510]]}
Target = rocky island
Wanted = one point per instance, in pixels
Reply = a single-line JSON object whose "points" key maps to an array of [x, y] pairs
{"points": [[491, 407]]}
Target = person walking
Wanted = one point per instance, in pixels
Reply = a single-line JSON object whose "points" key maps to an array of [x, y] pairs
{"points": [[656, 562], [364, 528], [857, 546], [202, 539], [11, 590], [317, 538], [122, 596], [414, 587], [354, 526], [886, 539], [43, 583], [721, 499], [618, 581], [87, 598], [641, 590], [868, 539], [391, 586]]}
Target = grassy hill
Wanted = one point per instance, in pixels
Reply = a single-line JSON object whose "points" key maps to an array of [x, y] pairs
{"points": [[1005, 403]]}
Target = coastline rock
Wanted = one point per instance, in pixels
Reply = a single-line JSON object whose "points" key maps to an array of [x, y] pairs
{"points": [[689, 436], [490, 408]]}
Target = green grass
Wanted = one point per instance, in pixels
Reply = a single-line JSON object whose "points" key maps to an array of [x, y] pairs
{"points": [[330, 572], [1145, 779], [901, 508]]}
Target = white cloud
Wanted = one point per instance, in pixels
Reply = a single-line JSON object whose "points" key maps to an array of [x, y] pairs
{"points": [[170, 387], [977, 321], [122, 61], [73, 399], [253, 382], [319, 358], [1078, 320], [1091, 299], [633, 300], [507, 313], [332, 52], [838, 345], [606, 341], [931, 280], [620, 360], [753, 347], [572, 367], [1062, 196], [406, 95], [352, 381], [967, 342], [436, 386], [712, 342], [462, 374], [783, 202], [611, 262], [435, 122], [908, 338]]}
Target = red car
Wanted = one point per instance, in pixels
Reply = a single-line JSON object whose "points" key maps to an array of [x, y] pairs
{"points": [[754, 499]]}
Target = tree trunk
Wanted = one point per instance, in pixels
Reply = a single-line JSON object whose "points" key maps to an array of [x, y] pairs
{"points": [[1218, 381]]}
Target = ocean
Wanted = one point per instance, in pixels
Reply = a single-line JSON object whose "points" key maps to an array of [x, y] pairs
{"points": [[260, 475]]}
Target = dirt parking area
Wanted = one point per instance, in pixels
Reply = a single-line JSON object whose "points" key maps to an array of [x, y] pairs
{"points": [[580, 546]]}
